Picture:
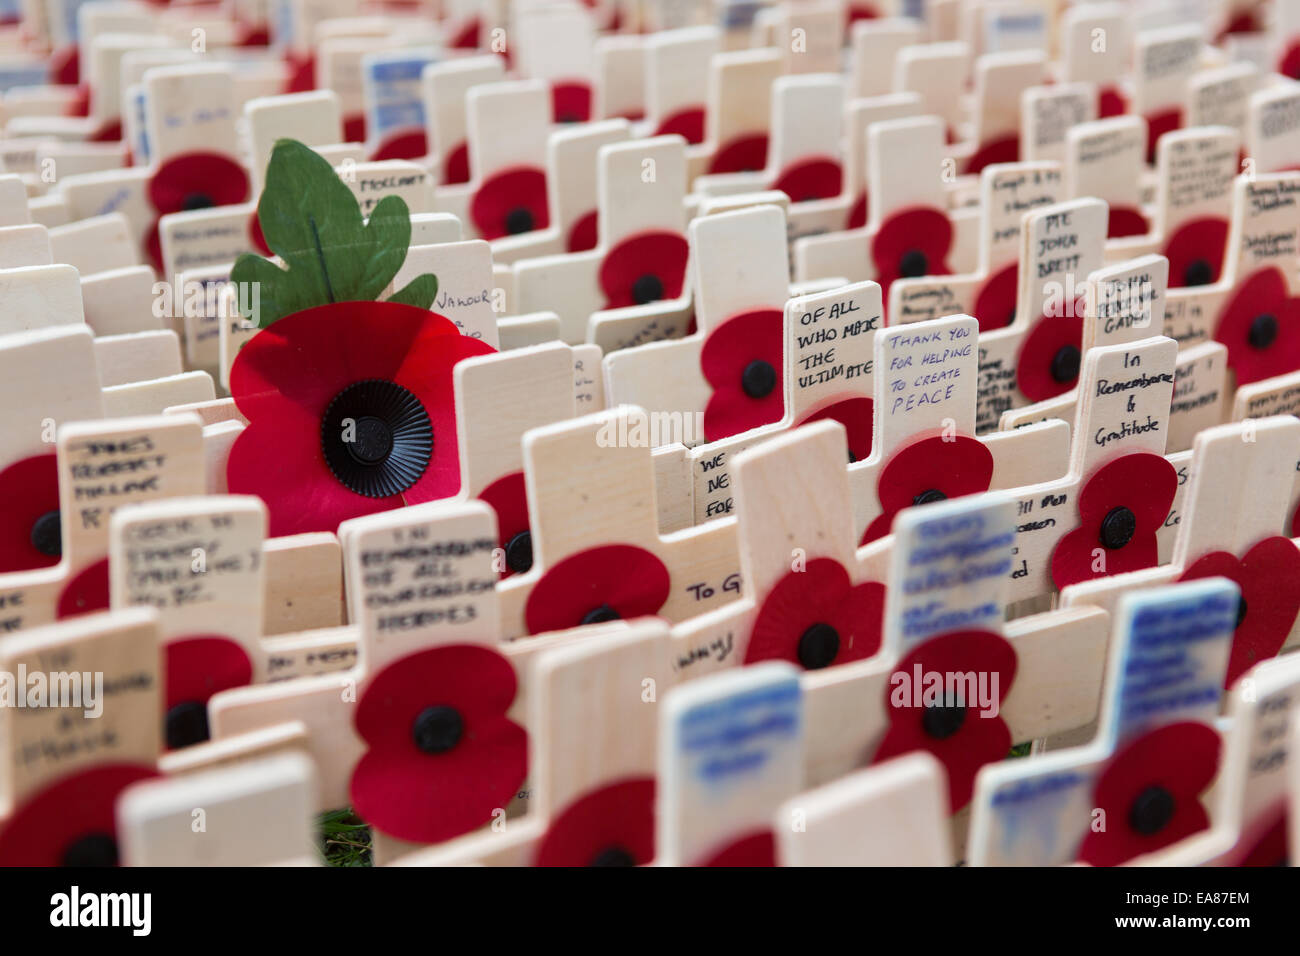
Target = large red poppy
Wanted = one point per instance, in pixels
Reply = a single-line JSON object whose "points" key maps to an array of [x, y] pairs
{"points": [[930, 469], [1048, 363], [995, 303], [809, 179], [383, 366], [1001, 149], [1195, 252], [72, 821], [958, 733], [687, 123], [192, 181], [1150, 792], [441, 754], [910, 243], [1260, 326], [856, 415], [752, 849], [509, 500], [743, 154], [817, 618], [612, 582], [1121, 507], [196, 668], [511, 202], [30, 529], [742, 360], [1269, 578], [647, 267], [611, 826]]}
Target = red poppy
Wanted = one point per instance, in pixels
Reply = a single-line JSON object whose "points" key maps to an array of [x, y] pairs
{"points": [[612, 826], [1264, 842], [1289, 65], [65, 66], [754, 849], [30, 529], [687, 123], [1243, 21], [862, 11], [1150, 792], [910, 243], [1003, 149], [72, 821], [192, 181], [197, 668], [957, 732], [301, 73], [1110, 102], [354, 128], [1126, 221], [413, 144], [511, 202], [1159, 123], [1048, 363], [455, 168], [742, 154], [858, 212], [441, 754], [571, 101], [817, 618], [79, 105], [1269, 579], [809, 179], [742, 360], [467, 37], [1260, 326], [383, 366], [1195, 252], [930, 469], [995, 303], [508, 499], [583, 233], [1121, 507], [86, 592], [644, 268], [611, 582], [856, 415], [253, 35]]}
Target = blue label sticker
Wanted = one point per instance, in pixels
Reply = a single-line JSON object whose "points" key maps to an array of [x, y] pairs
{"points": [[394, 96]]}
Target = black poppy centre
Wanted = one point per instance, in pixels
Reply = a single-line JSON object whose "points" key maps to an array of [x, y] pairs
{"points": [[186, 724], [437, 729], [377, 438], [92, 849], [1263, 331], [1198, 272], [913, 264], [1151, 810], [818, 646], [47, 534], [941, 721], [519, 552], [1117, 528], [518, 220], [600, 614], [194, 201], [613, 856], [929, 497], [647, 288], [758, 379], [1065, 364]]}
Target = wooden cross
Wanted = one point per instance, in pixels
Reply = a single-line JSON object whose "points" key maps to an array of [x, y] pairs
{"points": [[445, 85]]}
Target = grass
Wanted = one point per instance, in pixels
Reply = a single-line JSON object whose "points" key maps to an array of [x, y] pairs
{"points": [[343, 840]]}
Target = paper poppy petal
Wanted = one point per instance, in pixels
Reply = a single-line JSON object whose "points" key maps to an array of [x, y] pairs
{"points": [[954, 467], [80, 104], [1043, 370], [1289, 64], [467, 37], [582, 234], [743, 154], [912, 242], [255, 237], [354, 128], [611, 825], [982, 737], [656, 259], [509, 500], [571, 102], [995, 304], [1195, 252], [862, 11], [857, 415], [186, 180], [1126, 221], [1158, 124], [1003, 149], [455, 168], [428, 797], [754, 849], [687, 123], [1182, 759], [728, 351], [86, 592], [627, 580], [1142, 482], [198, 667], [65, 66], [1269, 578], [84, 804], [1262, 297], [510, 200], [858, 213], [29, 489], [821, 593], [301, 73], [412, 144], [1110, 102], [810, 179]]}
